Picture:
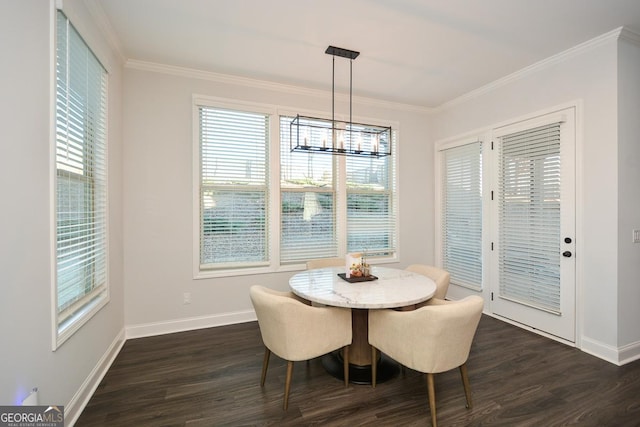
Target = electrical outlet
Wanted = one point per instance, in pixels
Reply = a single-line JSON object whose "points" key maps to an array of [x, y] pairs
{"points": [[636, 236], [187, 298]]}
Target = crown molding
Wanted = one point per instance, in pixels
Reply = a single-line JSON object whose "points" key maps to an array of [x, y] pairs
{"points": [[104, 25], [630, 36], [541, 65], [266, 85]]}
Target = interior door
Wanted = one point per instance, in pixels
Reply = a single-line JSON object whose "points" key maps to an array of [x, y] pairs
{"points": [[533, 256]]}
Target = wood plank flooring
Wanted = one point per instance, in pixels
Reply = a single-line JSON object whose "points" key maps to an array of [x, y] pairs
{"points": [[211, 377]]}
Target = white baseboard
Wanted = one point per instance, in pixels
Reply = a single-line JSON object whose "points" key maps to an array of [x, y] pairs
{"points": [[616, 355], [189, 324], [629, 353], [600, 350], [80, 399]]}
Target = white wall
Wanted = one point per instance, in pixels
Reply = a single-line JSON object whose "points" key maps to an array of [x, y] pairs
{"points": [[628, 190], [150, 216], [589, 74], [26, 79], [158, 129]]}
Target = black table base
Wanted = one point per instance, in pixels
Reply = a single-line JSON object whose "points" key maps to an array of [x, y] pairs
{"points": [[387, 369]]}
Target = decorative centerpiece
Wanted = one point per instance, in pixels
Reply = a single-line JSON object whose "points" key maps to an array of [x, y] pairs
{"points": [[357, 269], [360, 269]]}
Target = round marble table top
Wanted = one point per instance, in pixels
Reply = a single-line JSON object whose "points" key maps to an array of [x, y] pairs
{"points": [[394, 288]]}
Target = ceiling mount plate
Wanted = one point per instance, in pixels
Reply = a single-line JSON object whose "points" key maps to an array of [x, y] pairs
{"points": [[344, 53]]}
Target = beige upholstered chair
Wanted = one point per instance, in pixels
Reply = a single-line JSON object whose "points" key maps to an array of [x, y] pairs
{"points": [[295, 331], [432, 339], [325, 262], [438, 275]]}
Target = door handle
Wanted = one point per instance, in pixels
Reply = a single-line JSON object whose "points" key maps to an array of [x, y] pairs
{"points": [[566, 254]]}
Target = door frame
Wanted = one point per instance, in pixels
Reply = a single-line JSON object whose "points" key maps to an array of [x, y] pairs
{"points": [[484, 134]]}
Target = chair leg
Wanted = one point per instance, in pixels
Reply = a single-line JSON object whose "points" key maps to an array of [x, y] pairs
{"points": [[432, 398], [465, 383], [374, 366], [265, 365], [345, 366], [287, 384]]}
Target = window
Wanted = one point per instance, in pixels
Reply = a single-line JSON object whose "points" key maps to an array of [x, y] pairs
{"points": [[462, 214], [233, 188], [371, 221], [81, 181], [529, 216], [319, 205], [314, 213], [308, 200]]}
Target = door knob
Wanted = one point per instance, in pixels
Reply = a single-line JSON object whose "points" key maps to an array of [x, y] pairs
{"points": [[566, 254]]}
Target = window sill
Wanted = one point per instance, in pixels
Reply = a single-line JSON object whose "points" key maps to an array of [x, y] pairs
{"points": [[66, 329]]}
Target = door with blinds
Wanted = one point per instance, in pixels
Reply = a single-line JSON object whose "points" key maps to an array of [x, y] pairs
{"points": [[533, 267]]}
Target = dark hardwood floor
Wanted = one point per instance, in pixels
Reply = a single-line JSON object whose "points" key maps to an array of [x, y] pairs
{"points": [[211, 377]]}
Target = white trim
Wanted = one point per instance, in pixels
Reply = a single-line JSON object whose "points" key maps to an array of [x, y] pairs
{"points": [[104, 25], [530, 329], [267, 85], [53, 173], [546, 120], [81, 398], [579, 215], [628, 353], [189, 324], [600, 350], [541, 65], [630, 36]]}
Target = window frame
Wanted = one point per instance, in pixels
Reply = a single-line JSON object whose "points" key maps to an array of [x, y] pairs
{"points": [[390, 194], [69, 320], [274, 189], [441, 204], [241, 268]]}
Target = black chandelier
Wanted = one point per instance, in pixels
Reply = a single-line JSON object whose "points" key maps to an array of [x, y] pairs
{"points": [[333, 136]]}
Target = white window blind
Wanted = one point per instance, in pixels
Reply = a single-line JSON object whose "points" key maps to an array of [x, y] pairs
{"points": [[371, 204], [233, 188], [529, 216], [308, 198], [462, 214], [81, 177]]}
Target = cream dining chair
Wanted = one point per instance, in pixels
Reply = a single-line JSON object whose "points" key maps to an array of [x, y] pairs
{"points": [[432, 339], [438, 275], [325, 262], [295, 331]]}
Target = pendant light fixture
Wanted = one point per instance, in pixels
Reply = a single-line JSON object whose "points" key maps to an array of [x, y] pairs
{"points": [[334, 136]]}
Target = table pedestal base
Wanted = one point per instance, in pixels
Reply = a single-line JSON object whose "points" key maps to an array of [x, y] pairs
{"points": [[387, 369]]}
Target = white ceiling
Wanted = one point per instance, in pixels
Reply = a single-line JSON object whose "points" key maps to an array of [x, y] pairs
{"points": [[418, 52]]}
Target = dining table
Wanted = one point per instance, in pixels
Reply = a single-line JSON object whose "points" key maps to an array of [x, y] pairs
{"points": [[385, 288]]}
